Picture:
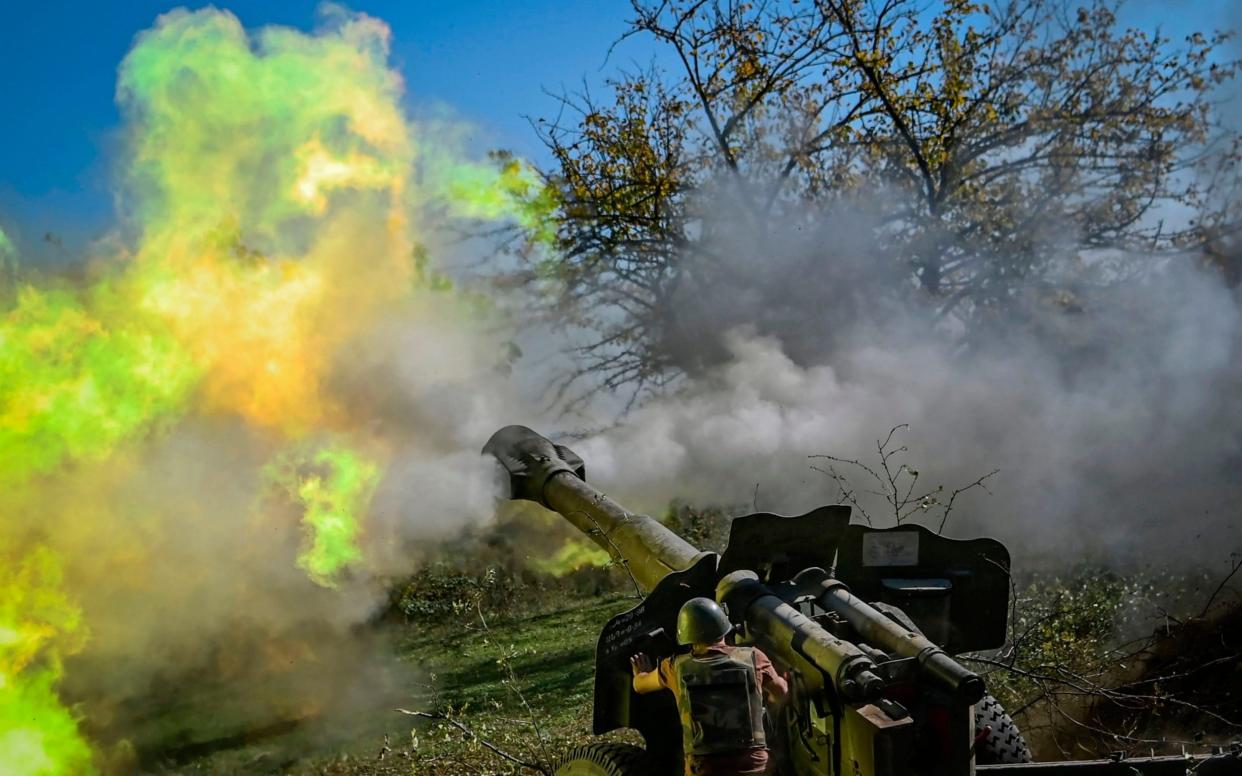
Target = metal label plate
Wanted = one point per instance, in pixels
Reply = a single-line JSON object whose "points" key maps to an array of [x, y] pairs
{"points": [[899, 548]]}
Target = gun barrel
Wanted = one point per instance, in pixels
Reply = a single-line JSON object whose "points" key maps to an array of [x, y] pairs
{"points": [[553, 476], [786, 633], [878, 630]]}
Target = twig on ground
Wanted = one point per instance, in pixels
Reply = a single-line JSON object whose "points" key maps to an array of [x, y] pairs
{"points": [[512, 685], [1236, 565], [471, 735]]}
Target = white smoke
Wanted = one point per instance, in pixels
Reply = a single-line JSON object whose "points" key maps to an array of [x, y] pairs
{"points": [[1116, 428]]}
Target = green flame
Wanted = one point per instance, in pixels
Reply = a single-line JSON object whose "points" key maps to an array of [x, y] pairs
{"points": [[333, 486], [38, 735], [574, 554], [73, 386], [507, 189]]}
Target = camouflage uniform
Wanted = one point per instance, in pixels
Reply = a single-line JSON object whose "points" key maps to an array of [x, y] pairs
{"points": [[722, 723]]}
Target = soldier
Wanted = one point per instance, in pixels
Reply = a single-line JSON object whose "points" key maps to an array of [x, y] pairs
{"points": [[719, 691]]}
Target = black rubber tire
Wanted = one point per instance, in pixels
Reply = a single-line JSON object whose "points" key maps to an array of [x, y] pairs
{"points": [[1004, 744], [603, 760]]}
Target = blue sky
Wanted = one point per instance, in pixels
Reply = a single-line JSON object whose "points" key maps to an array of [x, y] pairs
{"points": [[491, 60]]}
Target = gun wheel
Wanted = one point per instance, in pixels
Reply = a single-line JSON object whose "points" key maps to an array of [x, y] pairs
{"points": [[603, 760], [1004, 743]]}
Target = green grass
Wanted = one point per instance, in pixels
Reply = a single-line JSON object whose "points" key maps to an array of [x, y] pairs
{"points": [[551, 654], [500, 679]]}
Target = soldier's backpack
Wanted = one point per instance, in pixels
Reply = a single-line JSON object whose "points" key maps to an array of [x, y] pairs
{"points": [[719, 702]]}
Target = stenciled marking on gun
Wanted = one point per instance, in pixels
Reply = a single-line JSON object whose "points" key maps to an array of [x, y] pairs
{"points": [[621, 633]]}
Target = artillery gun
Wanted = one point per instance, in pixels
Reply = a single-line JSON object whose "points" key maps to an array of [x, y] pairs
{"points": [[862, 621]]}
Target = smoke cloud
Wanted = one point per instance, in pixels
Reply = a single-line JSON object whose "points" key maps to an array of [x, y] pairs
{"points": [[1113, 419]]}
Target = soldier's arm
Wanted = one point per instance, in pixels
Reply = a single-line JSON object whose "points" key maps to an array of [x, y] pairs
{"points": [[775, 688]]}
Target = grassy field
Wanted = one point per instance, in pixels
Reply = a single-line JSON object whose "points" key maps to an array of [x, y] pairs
{"points": [[522, 684]]}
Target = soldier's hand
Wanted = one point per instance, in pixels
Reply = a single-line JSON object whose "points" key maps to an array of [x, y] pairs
{"points": [[641, 663]]}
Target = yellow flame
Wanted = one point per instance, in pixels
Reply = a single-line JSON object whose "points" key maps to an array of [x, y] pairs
{"points": [[322, 173]]}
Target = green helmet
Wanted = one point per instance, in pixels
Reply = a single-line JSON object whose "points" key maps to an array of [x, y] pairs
{"points": [[701, 621]]}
